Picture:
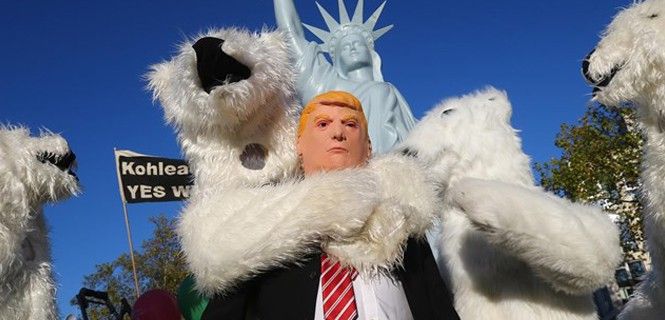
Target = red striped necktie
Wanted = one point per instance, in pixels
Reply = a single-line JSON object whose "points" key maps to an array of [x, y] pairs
{"points": [[339, 302]]}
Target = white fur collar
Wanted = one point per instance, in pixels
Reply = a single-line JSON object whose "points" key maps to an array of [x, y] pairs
{"points": [[231, 237]]}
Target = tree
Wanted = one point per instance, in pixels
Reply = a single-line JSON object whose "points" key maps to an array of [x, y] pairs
{"points": [[600, 164], [159, 265]]}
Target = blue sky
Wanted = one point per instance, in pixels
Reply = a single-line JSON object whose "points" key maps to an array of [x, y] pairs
{"points": [[76, 68]]}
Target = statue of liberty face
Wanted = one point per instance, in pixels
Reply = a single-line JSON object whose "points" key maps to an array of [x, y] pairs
{"points": [[353, 53]]}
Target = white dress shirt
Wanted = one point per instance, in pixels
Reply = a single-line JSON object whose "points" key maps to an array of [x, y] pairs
{"points": [[377, 298]]}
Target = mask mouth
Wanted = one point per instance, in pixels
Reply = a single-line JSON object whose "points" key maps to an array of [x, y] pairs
{"points": [[603, 81], [65, 162]]}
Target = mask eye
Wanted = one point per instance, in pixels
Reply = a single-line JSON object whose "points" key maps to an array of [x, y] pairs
{"points": [[351, 124], [653, 16], [446, 112]]}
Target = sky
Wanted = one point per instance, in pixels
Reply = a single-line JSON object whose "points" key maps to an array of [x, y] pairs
{"points": [[76, 68]]}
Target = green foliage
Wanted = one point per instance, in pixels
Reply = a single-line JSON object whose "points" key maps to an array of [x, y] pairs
{"points": [[600, 163], [160, 265], [601, 155]]}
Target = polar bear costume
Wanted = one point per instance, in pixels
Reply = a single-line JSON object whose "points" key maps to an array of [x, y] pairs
{"points": [[507, 249], [628, 65], [245, 217], [33, 171]]}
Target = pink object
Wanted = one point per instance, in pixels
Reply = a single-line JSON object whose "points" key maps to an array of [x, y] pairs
{"points": [[156, 304]]}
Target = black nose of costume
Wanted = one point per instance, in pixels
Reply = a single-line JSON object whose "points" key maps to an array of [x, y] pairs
{"points": [[603, 81], [64, 162], [585, 68], [215, 67]]}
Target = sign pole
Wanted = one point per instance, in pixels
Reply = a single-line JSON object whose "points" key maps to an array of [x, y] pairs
{"points": [[129, 233], [131, 250]]}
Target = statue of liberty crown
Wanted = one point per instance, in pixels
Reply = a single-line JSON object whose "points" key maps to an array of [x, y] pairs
{"points": [[345, 26]]}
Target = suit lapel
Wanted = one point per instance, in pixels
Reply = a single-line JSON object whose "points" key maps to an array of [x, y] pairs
{"points": [[290, 293], [427, 294], [411, 276]]}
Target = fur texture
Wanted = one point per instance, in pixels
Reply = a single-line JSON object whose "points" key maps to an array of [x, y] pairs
{"points": [[632, 48], [242, 221], [214, 129], [27, 289], [508, 249], [407, 207], [353, 213]]}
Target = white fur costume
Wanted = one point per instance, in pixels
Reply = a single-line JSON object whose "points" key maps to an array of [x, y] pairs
{"points": [[508, 249], [628, 65], [29, 177], [242, 221]]}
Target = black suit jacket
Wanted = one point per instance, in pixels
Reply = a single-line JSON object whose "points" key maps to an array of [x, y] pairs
{"points": [[290, 292]]}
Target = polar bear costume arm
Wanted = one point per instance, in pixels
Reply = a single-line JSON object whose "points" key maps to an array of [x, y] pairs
{"points": [[408, 207], [573, 247], [230, 235], [362, 216]]}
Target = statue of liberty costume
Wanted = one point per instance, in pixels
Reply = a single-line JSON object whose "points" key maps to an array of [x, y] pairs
{"points": [[355, 68]]}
